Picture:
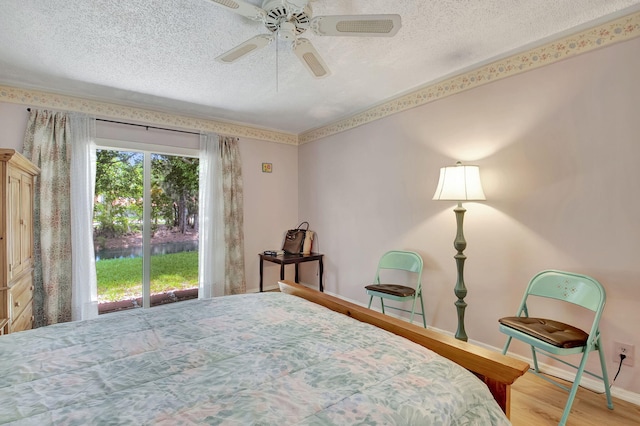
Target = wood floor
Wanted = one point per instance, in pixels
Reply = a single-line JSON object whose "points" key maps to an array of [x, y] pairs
{"points": [[534, 402]]}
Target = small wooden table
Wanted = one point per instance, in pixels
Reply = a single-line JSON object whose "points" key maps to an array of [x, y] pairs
{"points": [[296, 259]]}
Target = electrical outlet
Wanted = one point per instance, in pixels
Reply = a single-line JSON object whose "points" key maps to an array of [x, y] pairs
{"points": [[623, 348]]}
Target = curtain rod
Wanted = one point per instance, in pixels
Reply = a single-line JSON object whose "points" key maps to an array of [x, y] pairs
{"points": [[142, 125]]}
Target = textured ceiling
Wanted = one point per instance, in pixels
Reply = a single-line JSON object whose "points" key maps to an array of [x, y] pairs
{"points": [[161, 55]]}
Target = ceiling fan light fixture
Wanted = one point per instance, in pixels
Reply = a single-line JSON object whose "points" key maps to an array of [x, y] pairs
{"points": [[287, 31], [278, 15]]}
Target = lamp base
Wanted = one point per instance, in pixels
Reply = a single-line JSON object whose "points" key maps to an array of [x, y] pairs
{"points": [[460, 290]]}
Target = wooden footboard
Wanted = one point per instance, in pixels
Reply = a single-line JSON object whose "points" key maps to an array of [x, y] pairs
{"points": [[496, 370]]}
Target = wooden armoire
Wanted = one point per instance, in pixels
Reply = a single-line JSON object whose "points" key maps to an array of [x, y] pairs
{"points": [[16, 241]]}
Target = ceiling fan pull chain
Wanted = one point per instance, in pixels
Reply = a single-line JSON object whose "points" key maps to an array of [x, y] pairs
{"points": [[277, 61]]}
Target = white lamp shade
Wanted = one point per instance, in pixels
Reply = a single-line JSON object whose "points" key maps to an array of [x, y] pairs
{"points": [[459, 183]]}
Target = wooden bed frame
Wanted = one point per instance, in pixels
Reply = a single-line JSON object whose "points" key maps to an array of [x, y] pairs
{"points": [[496, 370]]}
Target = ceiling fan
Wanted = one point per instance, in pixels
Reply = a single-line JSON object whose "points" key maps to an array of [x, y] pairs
{"points": [[287, 19]]}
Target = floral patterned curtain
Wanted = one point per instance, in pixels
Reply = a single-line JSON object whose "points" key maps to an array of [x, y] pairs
{"points": [[46, 145], [232, 194], [62, 145], [221, 251]]}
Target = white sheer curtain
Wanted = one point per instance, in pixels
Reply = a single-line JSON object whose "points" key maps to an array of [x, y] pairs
{"points": [[84, 292], [211, 256]]}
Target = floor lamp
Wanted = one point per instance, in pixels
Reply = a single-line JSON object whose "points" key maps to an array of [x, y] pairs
{"points": [[460, 183]]}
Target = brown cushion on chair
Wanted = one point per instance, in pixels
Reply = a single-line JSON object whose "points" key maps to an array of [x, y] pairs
{"points": [[553, 332], [393, 289]]}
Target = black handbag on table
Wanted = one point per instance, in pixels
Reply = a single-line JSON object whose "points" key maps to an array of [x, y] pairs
{"points": [[294, 239]]}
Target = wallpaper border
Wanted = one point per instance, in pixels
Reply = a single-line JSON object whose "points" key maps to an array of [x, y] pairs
{"points": [[138, 115], [621, 29]]}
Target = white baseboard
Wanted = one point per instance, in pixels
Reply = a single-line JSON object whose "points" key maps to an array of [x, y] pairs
{"points": [[270, 288]]}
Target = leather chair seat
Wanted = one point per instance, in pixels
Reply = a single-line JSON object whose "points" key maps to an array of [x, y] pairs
{"points": [[392, 289], [553, 332]]}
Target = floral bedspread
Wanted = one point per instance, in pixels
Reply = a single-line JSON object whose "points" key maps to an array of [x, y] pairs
{"points": [[264, 359]]}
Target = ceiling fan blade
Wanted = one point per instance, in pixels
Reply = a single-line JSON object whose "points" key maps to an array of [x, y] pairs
{"points": [[241, 8], [356, 25], [249, 46], [310, 58]]}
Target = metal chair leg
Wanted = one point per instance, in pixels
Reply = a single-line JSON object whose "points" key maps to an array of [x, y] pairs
{"points": [[506, 346], [424, 319], [605, 376], [574, 390]]}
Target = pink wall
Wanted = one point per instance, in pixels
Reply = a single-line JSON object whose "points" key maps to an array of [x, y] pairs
{"points": [[13, 121], [557, 149], [270, 204]]}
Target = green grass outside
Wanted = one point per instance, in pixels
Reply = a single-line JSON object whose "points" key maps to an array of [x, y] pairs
{"points": [[120, 279]]}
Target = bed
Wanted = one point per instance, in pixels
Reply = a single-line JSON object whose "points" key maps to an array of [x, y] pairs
{"points": [[266, 358]]}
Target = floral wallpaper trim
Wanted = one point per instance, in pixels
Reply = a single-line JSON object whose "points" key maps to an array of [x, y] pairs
{"points": [[138, 115], [621, 29]]}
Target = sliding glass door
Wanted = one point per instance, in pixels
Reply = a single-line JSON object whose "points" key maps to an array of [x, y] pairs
{"points": [[145, 228]]}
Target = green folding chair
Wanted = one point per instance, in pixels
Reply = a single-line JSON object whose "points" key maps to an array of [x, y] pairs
{"points": [[554, 338], [410, 262]]}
